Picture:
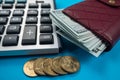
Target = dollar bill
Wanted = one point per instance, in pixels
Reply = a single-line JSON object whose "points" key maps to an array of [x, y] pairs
{"points": [[96, 51], [83, 36], [76, 29], [77, 33]]}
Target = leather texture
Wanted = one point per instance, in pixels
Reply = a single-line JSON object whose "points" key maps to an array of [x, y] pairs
{"points": [[99, 17]]}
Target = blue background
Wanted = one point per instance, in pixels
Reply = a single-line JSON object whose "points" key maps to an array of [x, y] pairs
{"points": [[105, 67]]}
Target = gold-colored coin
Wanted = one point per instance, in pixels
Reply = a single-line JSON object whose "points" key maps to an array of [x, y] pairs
{"points": [[47, 67], [56, 66], [69, 64], [38, 66], [28, 68]]}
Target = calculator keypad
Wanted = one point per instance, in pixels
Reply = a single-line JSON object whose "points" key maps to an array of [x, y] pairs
{"points": [[26, 25]]}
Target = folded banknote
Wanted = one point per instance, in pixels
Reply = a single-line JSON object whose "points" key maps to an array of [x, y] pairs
{"points": [[77, 33]]}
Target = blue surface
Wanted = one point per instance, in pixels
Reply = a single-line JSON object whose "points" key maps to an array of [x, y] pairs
{"points": [[106, 67]]}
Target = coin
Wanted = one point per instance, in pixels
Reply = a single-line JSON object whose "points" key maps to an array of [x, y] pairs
{"points": [[28, 68], [56, 66], [69, 64], [38, 66], [47, 67]]}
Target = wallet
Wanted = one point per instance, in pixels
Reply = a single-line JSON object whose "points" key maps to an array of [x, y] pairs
{"points": [[102, 17]]}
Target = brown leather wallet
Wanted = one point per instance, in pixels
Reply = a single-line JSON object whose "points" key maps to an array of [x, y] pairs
{"points": [[102, 17]]}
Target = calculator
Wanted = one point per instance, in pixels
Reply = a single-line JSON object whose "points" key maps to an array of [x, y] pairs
{"points": [[26, 25]]}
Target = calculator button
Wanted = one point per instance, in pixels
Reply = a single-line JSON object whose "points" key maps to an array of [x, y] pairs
{"points": [[16, 20], [2, 28], [18, 12], [32, 13], [31, 20], [33, 5], [3, 20], [45, 5], [10, 40], [13, 29], [9, 1], [29, 35], [46, 20], [45, 12], [21, 1], [6, 6], [46, 39], [45, 9], [46, 29], [39, 1], [4, 12], [20, 5], [1, 1]]}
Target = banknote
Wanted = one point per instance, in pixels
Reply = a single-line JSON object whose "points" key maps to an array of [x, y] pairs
{"points": [[96, 51], [81, 39], [77, 33], [83, 36], [75, 28]]}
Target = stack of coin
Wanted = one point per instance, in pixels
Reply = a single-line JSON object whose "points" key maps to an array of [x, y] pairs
{"points": [[51, 66]]}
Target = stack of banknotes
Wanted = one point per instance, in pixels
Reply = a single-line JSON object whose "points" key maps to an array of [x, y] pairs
{"points": [[77, 34]]}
